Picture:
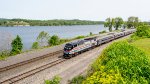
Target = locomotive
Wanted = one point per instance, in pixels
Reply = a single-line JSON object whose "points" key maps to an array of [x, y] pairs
{"points": [[77, 47]]}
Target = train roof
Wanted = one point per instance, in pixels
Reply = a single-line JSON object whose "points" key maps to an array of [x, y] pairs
{"points": [[106, 36], [90, 38], [82, 41], [77, 42]]}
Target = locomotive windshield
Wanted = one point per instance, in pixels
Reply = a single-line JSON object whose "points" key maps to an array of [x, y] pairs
{"points": [[68, 47]]}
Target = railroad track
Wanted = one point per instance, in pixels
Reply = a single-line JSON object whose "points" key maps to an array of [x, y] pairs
{"points": [[32, 72], [29, 61]]}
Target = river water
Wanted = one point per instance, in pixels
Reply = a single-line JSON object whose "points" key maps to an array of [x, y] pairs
{"points": [[29, 34]]}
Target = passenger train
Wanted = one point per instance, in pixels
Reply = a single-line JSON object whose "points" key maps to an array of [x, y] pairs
{"points": [[74, 48]]}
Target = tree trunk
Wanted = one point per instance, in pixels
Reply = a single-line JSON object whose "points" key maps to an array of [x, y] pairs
{"points": [[110, 29]]}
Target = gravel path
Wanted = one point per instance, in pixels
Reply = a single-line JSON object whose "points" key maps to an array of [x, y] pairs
{"points": [[68, 69]]}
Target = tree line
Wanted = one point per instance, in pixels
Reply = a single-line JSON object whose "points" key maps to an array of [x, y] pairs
{"points": [[118, 22], [25, 22]]}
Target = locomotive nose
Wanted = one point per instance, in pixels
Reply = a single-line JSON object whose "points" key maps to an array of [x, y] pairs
{"points": [[66, 56]]}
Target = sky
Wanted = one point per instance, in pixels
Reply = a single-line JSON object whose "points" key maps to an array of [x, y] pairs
{"points": [[97, 10]]}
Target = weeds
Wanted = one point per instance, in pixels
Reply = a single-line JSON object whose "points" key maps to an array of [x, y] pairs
{"points": [[77, 80], [4, 54], [102, 32], [55, 80]]}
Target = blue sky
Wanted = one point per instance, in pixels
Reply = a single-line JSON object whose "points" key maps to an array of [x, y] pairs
{"points": [[74, 9]]}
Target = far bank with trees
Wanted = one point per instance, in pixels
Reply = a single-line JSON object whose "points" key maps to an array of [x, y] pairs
{"points": [[56, 22]]}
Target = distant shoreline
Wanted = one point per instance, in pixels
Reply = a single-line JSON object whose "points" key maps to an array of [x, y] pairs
{"points": [[25, 22], [46, 26]]}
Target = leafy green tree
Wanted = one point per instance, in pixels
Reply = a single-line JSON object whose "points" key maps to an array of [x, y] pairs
{"points": [[132, 22], [109, 23], [124, 25], [17, 46], [42, 38], [118, 23], [54, 40], [35, 45], [136, 22], [91, 33]]}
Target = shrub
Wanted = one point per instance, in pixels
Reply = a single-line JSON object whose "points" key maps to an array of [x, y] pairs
{"points": [[102, 32], [4, 54], [77, 80], [133, 38], [35, 45], [80, 37], [17, 46], [54, 40], [55, 80], [64, 40], [91, 33], [143, 31], [120, 63]]}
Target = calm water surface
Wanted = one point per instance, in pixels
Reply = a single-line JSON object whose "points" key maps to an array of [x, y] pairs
{"points": [[29, 34]]}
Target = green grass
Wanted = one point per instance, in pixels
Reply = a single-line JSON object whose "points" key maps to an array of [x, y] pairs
{"points": [[4, 55], [143, 44]]}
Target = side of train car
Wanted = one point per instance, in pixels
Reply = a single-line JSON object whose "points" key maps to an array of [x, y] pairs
{"points": [[75, 48]]}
